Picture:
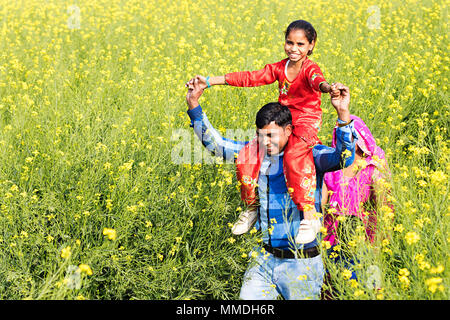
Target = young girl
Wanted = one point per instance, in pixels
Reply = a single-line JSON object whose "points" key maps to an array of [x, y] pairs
{"points": [[300, 82]]}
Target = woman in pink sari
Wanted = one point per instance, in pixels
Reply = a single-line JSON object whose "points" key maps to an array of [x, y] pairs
{"points": [[352, 194]]}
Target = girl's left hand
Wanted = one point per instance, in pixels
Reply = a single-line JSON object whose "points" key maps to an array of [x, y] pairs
{"points": [[201, 81]]}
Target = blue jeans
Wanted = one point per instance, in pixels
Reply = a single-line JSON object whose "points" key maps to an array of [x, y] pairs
{"points": [[295, 279]]}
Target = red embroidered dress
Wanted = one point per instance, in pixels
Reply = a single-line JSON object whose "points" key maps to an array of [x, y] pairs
{"points": [[303, 97]]}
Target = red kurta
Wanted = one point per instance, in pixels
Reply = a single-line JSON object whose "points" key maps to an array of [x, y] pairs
{"points": [[302, 95], [303, 98]]}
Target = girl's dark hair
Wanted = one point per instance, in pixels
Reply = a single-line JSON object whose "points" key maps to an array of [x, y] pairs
{"points": [[307, 27], [273, 111]]}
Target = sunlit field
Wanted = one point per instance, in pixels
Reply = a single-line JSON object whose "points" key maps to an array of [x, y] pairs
{"points": [[93, 110]]}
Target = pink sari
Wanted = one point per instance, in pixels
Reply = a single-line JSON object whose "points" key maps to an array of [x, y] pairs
{"points": [[350, 193]]}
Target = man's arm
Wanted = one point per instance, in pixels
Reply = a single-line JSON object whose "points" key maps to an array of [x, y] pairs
{"points": [[210, 137], [331, 159]]}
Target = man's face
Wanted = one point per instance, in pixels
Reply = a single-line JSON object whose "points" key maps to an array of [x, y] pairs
{"points": [[273, 137]]}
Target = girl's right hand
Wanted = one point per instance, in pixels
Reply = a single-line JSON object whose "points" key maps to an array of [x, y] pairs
{"points": [[201, 82], [190, 84]]}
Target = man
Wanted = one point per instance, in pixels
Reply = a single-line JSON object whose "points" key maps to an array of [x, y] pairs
{"points": [[280, 265]]}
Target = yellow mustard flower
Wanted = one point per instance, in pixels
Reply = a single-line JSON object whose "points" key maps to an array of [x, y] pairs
{"points": [[110, 233], [86, 269], [434, 284], [66, 252], [412, 237]]}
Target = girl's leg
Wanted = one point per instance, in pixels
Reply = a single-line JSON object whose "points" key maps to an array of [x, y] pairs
{"points": [[300, 174], [247, 168]]}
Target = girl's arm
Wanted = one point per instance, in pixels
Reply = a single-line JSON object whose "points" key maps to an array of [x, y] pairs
{"points": [[205, 82], [265, 76], [316, 79]]}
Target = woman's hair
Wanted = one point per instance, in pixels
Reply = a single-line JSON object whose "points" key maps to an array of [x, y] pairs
{"points": [[307, 27], [273, 111]]}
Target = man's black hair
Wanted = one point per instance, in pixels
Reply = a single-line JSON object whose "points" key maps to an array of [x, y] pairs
{"points": [[273, 111]]}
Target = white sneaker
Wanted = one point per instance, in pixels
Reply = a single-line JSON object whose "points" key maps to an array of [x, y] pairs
{"points": [[307, 231], [245, 222]]}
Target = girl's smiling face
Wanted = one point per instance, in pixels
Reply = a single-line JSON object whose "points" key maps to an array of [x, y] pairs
{"points": [[297, 45]]}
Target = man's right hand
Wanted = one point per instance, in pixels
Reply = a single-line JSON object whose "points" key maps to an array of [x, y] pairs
{"points": [[194, 92]]}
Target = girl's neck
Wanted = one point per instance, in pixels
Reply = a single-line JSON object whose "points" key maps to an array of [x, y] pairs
{"points": [[293, 69], [296, 64]]}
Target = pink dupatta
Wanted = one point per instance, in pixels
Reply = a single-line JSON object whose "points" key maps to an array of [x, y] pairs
{"points": [[349, 193]]}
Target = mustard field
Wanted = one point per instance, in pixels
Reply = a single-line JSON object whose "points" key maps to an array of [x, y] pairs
{"points": [[93, 110]]}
